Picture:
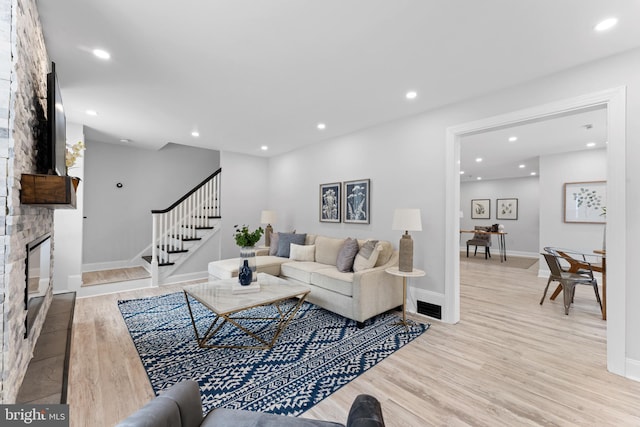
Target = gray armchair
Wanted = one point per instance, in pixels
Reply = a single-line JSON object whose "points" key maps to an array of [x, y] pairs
{"points": [[180, 406], [480, 239]]}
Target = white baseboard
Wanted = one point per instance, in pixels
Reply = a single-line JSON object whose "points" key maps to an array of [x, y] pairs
{"points": [[415, 294], [632, 369]]}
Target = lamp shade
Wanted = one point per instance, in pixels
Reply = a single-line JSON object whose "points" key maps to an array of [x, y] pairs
{"points": [[268, 217], [407, 219]]}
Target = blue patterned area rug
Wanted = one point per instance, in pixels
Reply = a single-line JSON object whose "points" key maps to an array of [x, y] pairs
{"points": [[317, 353]]}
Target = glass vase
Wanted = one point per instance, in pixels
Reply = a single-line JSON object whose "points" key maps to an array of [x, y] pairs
{"points": [[248, 253]]}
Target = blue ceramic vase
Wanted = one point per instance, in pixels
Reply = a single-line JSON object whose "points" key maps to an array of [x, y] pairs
{"points": [[245, 274]]}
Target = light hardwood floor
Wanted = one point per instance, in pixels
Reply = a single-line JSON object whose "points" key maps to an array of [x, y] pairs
{"points": [[508, 362]]}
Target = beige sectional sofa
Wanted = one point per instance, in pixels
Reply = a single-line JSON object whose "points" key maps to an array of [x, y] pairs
{"points": [[357, 295]]}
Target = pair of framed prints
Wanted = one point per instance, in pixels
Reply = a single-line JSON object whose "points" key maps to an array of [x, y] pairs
{"points": [[345, 201]]}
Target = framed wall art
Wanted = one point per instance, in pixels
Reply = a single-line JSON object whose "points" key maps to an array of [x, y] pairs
{"points": [[480, 208], [585, 202], [330, 202], [356, 201], [506, 208]]}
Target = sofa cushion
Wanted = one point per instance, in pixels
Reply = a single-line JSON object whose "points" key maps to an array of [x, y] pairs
{"points": [[333, 280], [228, 268], [300, 270], [302, 252], [273, 249], [327, 249], [285, 240], [223, 417], [386, 251], [367, 256], [347, 254]]}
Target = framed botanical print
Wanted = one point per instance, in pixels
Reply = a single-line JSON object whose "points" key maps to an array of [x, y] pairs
{"points": [[356, 201], [585, 202], [330, 202], [480, 209], [506, 208]]}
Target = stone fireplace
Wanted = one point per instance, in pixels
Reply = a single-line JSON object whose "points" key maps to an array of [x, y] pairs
{"points": [[23, 70]]}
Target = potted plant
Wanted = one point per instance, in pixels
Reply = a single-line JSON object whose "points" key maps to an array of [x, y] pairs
{"points": [[246, 240]]}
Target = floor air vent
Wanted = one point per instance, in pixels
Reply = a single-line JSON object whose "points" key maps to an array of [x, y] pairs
{"points": [[430, 310]]}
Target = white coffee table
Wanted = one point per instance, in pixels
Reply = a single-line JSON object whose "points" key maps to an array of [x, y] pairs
{"points": [[219, 297]]}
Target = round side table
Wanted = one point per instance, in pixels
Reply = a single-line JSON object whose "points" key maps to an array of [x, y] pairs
{"points": [[404, 274]]}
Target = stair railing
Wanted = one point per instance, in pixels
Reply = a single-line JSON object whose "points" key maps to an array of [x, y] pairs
{"points": [[178, 223]]}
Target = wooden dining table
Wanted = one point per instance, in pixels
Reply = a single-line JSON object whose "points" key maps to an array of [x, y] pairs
{"points": [[575, 265]]}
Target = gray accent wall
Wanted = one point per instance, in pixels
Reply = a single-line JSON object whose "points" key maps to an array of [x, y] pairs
{"points": [[523, 233], [117, 224]]}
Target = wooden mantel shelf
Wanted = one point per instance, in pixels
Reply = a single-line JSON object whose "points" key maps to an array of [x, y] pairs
{"points": [[50, 191]]}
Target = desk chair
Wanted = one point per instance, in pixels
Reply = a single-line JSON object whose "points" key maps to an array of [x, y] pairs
{"points": [[480, 239]]}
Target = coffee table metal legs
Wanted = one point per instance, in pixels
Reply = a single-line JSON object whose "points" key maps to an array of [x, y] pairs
{"points": [[282, 320]]}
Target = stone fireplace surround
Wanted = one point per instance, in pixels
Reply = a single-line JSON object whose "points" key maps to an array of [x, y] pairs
{"points": [[24, 65]]}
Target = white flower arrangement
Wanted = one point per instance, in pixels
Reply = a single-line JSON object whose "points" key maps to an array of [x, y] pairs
{"points": [[73, 153]]}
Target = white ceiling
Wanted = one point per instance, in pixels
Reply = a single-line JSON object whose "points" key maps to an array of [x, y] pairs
{"points": [[502, 158], [265, 72]]}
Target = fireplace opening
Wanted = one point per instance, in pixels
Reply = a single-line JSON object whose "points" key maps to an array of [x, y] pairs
{"points": [[38, 278]]}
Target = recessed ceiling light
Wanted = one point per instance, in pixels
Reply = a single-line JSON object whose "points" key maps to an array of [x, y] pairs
{"points": [[533, 174], [461, 172], [606, 24], [264, 148], [521, 166], [411, 95], [591, 144], [479, 178], [479, 159], [102, 54], [513, 138], [91, 112], [125, 140], [321, 126]]}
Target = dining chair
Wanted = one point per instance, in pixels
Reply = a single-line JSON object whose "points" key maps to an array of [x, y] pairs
{"points": [[480, 239], [568, 280]]}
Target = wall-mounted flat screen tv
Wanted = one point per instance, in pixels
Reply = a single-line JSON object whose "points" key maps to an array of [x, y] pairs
{"points": [[57, 126]]}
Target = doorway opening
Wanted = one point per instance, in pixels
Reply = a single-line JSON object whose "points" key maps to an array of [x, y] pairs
{"points": [[614, 101]]}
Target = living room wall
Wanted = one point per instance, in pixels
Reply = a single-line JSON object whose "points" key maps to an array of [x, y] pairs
{"points": [[117, 223], [523, 233], [406, 163], [555, 171]]}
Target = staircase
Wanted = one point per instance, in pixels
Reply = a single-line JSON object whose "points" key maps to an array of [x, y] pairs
{"points": [[183, 227]]}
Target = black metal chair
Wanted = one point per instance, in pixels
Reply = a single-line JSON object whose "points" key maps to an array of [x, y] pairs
{"points": [[568, 280], [480, 239]]}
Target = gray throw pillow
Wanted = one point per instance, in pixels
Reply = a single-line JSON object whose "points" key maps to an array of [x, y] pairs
{"points": [[347, 254], [286, 239], [273, 249], [367, 256]]}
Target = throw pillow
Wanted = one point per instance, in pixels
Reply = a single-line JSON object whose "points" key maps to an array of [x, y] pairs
{"points": [[273, 249], [286, 239], [302, 252], [367, 256], [347, 254]]}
